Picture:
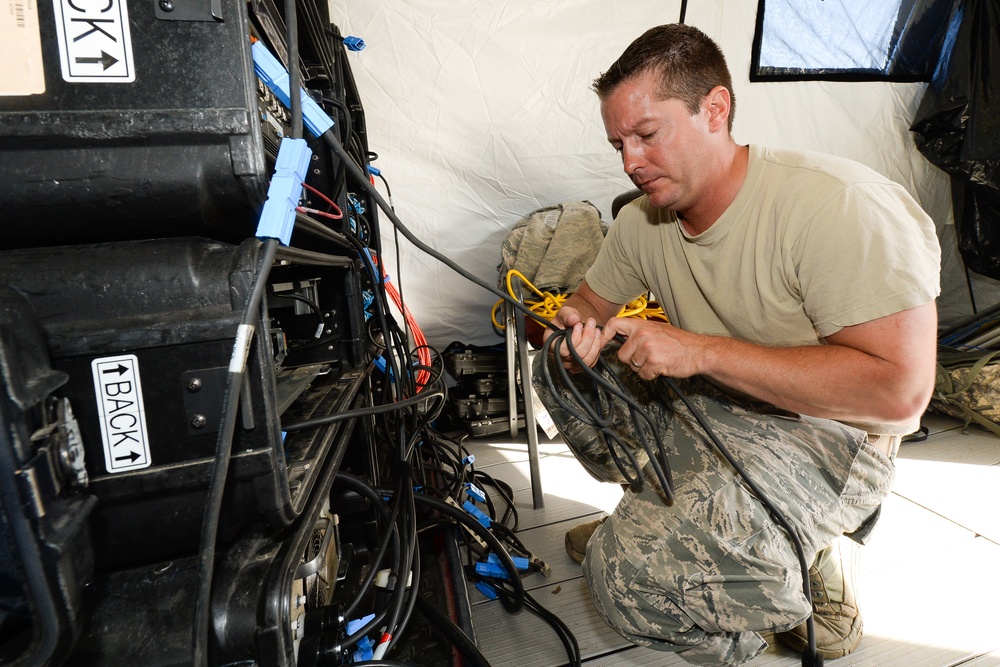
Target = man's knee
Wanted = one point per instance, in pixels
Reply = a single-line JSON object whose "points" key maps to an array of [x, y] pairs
{"points": [[663, 626]]}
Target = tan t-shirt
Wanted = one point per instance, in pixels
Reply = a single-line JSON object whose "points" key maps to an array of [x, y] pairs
{"points": [[811, 244]]}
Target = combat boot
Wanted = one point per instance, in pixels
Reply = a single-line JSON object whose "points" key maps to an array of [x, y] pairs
{"points": [[578, 536], [833, 578]]}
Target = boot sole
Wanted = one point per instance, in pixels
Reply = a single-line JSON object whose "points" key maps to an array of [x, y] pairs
{"points": [[793, 641]]}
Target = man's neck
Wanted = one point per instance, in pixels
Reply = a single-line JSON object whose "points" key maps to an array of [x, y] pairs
{"points": [[720, 191]]}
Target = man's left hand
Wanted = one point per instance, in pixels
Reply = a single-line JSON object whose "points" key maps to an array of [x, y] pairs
{"points": [[654, 348]]}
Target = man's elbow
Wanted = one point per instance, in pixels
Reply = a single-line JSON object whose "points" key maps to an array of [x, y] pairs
{"points": [[905, 404]]}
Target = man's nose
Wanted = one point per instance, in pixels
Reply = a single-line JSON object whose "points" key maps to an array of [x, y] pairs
{"points": [[632, 159]]}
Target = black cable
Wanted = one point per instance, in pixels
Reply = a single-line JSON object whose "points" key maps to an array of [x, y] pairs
{"points": [[468, 521], [294, 73], [409, 574], [382, 313], [363, 412], [616, 448], [312, 305], [390, 537], [223, 453], [311, 257], [360, 177], [566, 636], [317, 228], [365, 489]]}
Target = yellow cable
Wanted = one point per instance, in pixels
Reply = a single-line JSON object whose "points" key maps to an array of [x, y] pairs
{"points": [[549, 304]]}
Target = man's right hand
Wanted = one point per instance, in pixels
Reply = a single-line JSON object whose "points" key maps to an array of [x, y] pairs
{"points": [[584, 335]]}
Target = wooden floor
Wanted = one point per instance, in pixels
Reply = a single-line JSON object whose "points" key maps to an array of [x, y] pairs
{"points": [[930, 586]]}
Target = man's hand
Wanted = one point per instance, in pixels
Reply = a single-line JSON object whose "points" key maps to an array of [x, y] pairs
{"points": [[584, 335], [654, 348], [581, 313]]}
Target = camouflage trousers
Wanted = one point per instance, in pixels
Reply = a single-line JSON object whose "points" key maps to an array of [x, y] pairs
{"points": [[706, 573]]}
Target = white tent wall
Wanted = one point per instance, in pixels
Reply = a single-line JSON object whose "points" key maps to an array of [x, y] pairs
{"points": [[481, 112]]}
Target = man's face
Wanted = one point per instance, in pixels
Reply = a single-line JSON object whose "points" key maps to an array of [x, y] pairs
{"points": [[660, 141]]}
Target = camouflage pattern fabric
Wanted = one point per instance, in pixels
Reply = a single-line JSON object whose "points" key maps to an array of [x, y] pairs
{"points": [[554, 246], [970, 389], [706, 574]]}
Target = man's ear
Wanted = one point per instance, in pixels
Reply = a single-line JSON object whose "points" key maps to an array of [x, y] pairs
{"points": [[718, 103]]}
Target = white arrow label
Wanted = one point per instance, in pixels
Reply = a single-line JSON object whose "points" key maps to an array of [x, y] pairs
{"points": [[123, 418], [95, 41]]}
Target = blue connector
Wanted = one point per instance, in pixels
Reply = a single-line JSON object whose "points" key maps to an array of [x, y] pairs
{"points": [[354, 43], [492, 570], [356, 206], [475, 492], [363, 650], [487, 589], [520, 563], [275, 76], [374, 171], [380, 364], [278, 216], [481, 517], [358, 623], [367, 298], [469, 460]]}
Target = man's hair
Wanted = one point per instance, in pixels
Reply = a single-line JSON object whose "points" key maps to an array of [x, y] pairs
{"points": [[686, 60]]}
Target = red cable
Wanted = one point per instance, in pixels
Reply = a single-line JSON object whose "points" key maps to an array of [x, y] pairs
{"points": [[423, 352], [336, 216]]}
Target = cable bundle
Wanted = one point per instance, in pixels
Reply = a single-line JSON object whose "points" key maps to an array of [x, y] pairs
{"points": [[548, 304]]}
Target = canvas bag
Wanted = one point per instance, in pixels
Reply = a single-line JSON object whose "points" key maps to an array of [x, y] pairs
{"points": [[967, 387], [554, 246]]}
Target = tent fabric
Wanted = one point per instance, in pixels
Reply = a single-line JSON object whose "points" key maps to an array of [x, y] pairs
{"points": [[481, 112]]}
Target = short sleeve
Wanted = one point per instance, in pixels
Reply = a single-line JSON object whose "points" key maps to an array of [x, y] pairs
{"points": [[870, 251], [613, 275]]}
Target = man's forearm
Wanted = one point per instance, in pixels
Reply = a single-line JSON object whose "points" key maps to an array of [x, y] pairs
{"points": [[829, 381]]}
